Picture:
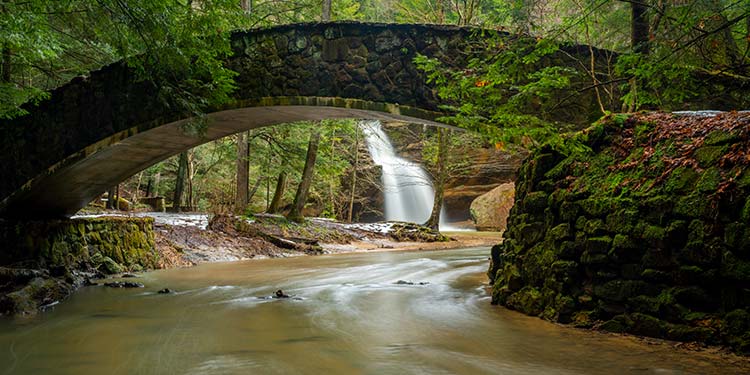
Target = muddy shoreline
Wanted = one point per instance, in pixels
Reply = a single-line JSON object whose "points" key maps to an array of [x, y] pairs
{"points": [[187, 245]]}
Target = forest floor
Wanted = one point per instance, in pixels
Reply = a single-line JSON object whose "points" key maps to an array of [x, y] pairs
{"points": [[185, 242]]}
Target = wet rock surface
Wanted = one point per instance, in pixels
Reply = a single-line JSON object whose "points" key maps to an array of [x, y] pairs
{"points": [[404, 282], [123, 284]]}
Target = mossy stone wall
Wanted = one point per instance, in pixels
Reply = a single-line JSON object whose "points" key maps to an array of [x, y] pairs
{"points": [[648, 234], [109, 243]]}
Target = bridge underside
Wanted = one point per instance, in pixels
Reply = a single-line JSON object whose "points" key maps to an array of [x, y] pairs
{"points": [[98, 130], [73, 183]]}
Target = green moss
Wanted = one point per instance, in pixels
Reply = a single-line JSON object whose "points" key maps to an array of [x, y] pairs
{"points": [[709, 155], [647, 325], [595, 227], [736, 328], [734, 268], [584, 319], [745, 214], [734, 235], [694, 205], [655, 208], [614, 326], [109, 266], [644, 304], [621, 290], [564, 268], [568, 250], [654, 235], [680, 332], [527, 300], [642, 132], [656, 276], [530, 233], [568, 211], [709, 180], [535, 202], [623, 242], [720, 137], [539, 166], [705, 254], [598, 245], [682, 179], [696, 231], [744, 180], [559, 232], [560, 170], [589, 258], [595, 207], [622, 220]]}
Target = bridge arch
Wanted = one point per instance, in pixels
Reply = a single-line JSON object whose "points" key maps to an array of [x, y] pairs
{"points": [[98, 130]]}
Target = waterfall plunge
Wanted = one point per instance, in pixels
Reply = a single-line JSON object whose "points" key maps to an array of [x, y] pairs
{"points": [[407, 189]]}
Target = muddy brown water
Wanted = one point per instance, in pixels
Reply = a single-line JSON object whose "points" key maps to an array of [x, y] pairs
{"points": [[348, 315]]}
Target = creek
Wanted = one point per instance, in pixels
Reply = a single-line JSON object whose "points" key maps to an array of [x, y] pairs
{"points": [[348, 315]]}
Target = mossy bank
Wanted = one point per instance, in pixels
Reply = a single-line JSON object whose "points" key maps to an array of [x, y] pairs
{"points": [[41, 262], [647, 233]]}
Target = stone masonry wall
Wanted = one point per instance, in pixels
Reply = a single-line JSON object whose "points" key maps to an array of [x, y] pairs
{"points": [[649, 233], [42, 262], [78, 243]]}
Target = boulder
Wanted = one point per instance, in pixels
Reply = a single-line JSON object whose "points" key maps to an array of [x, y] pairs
{"points": [[490, 210]]}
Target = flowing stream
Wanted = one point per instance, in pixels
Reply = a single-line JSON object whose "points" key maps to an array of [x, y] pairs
{"points": [[348, 315]]}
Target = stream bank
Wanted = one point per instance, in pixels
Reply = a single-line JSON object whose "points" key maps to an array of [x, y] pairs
{"points": [[43, 262], [230, 238]]}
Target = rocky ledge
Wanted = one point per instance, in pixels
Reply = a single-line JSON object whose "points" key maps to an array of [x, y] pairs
{"points": [[648, 232]]}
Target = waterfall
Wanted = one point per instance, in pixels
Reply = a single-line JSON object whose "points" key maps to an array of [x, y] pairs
{"points": [[407, 188]]}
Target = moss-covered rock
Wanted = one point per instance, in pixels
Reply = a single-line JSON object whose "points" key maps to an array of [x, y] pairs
{"points": [[527, 300], [105, 244], [649, 233]]}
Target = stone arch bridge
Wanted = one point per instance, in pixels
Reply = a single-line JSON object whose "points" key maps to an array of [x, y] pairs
{"points": [[96, 131]]}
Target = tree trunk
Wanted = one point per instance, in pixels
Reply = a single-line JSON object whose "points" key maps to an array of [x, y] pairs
{"points": [[243, 171], [157, 180], [639, 38], [149, 185], [353, 187], [437, 205], [246, 5], [278, 194], [331, 182], [117, 197], [110, 198], [304, 186], [732, 51], [266, 174], [134, 197], [326, 11], [179, 185], [189, 172]]}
